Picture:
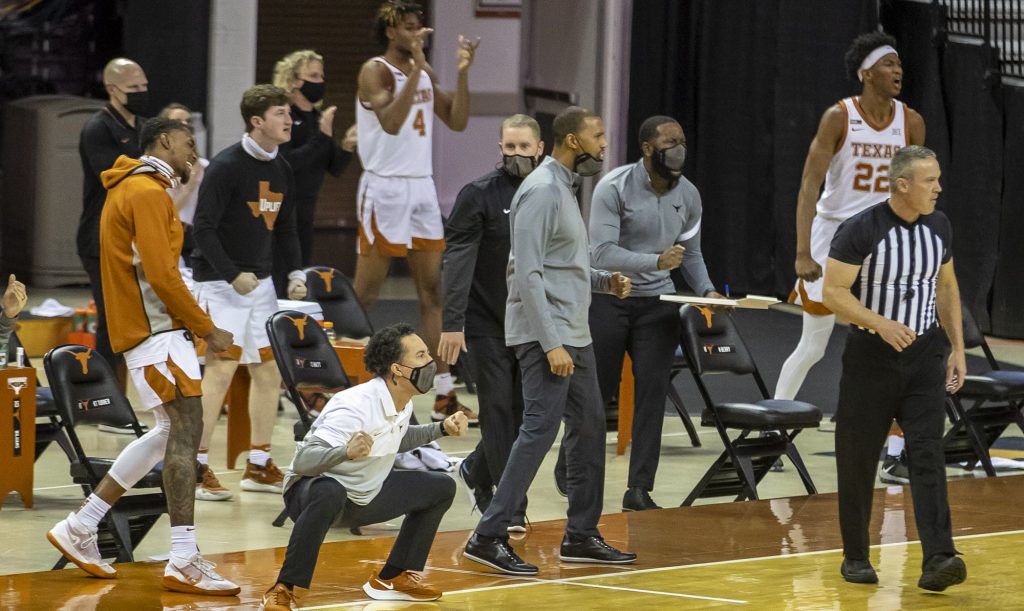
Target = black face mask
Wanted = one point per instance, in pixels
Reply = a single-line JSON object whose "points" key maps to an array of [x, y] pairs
{"points": [[519, 166], [668, 163], [422, 377], [136, 102], [314, 92]]}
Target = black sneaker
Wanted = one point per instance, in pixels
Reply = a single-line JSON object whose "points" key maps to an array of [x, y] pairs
{"points": [[858, 571], [480, 497], [593, 549], [942, 571], [497, 554], [638, 499], [561, 485], [894, 470]]}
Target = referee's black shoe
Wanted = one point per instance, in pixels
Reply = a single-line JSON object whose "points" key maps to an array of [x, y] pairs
{"points": [[942, 571], [497, 554], [858, 571], [592, 549], [638, 499]]}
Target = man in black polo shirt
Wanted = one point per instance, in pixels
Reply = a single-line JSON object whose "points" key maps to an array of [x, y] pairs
{"points": [[477, 242], [108, 134], [890, 274]]}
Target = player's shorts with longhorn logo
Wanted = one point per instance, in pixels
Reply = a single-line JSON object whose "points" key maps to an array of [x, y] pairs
{"points": [[163, 364], [245, 316]]}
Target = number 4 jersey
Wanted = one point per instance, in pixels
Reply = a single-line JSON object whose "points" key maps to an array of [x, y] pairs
{"points": [[858, 176], [407, 153]]}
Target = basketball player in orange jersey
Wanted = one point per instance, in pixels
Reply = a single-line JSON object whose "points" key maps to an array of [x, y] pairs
{"points": [[399, 216], [850, 154]]}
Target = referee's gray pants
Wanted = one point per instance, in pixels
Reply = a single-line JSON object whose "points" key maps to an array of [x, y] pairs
{"points": [[547, 400]]}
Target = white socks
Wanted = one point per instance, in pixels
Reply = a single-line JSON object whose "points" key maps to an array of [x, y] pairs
{"points": [[896, 445], [183, 541], [443, 383], [813, 341], [259, 457], [89, 516]]}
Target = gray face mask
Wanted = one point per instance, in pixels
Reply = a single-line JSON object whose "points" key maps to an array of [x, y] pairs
{"points": [[668, 163], [518, 165], [422, 377], [587, 165]]}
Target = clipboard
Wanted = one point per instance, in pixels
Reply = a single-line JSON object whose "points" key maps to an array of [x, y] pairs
{"points": [[750, 302]]}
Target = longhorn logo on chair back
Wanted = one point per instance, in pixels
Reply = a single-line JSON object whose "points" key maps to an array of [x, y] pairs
{"points": [[300, 324], [327, 277], [87, 404], [83, 359], [707, 312], [713, 349]]}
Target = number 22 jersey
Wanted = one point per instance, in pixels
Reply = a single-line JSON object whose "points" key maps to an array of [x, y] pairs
{"points": [[858, 176]]}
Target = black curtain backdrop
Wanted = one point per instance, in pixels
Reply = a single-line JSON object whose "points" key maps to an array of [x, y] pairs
{"points": [[749, 82]]}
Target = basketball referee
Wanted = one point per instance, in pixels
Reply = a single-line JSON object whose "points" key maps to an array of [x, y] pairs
{"points": [[890, 273]]}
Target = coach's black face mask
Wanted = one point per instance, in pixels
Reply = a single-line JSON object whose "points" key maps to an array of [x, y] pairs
{"points": [[314, 92], [519, 166], [136, 102], [422, 377], [668, 163]]}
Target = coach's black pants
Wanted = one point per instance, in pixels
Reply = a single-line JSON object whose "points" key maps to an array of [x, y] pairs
{"points": [[877, 385], [547, 400], [92, 268], [495, 370], [315, 502]]}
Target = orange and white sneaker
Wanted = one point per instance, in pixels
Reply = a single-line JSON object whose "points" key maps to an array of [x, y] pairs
{"points": [[79, 546], [196, 575], [262, 479], [407, 586], [278, 598], [210, 488], [446, 405]]}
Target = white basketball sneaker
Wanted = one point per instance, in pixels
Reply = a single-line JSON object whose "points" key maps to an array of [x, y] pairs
{"points": [[196, 575], [79, 546]]}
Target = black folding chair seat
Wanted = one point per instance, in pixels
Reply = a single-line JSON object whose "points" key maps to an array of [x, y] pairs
{"points": [[993, 385], [307, 361], [86, 391], [996, 398], [712, 344], [767, 414]]}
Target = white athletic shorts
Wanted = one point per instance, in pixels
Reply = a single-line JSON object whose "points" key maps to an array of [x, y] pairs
{"points": [[808, 294], [398, 214], [245, 316], [163, 363]]}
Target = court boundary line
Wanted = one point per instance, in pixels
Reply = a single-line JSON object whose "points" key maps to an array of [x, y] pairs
{"points": [[533, 581]]}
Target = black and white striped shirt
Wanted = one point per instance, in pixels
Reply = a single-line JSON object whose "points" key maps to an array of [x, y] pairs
{"points": [[899, 262]]}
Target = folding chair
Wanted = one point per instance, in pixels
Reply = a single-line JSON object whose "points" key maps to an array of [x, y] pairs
{"points": [[49, 427], [712, 344], [85, 391], [996, 397], [307, 362], [333, 291]]}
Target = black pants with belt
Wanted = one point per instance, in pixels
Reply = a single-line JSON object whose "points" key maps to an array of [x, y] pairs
{"points": [[315, 502], [500, 392], [877, 385]]}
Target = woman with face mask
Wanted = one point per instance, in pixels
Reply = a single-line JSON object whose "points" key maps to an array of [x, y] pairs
{"points": [[313, 149]]}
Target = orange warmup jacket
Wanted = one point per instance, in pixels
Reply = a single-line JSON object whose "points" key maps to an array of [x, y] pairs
{"points": [[140, 244]]}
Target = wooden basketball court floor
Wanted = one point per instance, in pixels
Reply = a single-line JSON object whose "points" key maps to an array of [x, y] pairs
{"points": [[775, 554]]}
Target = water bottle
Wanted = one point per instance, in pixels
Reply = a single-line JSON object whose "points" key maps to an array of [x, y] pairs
{"points": [[329, 331]]}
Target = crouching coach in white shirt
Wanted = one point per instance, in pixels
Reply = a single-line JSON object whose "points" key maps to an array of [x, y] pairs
{"points": [[344, 466]]}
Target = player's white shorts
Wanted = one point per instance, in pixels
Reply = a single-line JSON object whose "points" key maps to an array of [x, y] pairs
{"points": [[808, 294], [245, 316], [398, 214], [163, 363]]}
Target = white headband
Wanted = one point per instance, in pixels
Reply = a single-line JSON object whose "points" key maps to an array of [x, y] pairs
{"points": [[873, 58]]}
